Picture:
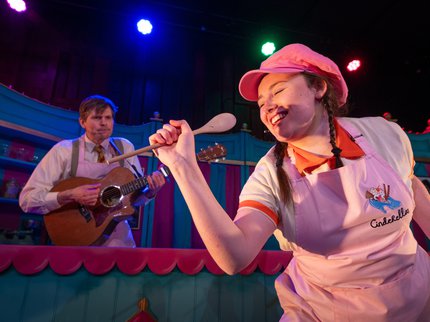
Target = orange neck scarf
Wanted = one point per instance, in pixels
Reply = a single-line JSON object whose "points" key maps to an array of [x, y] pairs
{"points": [[307, 161]]}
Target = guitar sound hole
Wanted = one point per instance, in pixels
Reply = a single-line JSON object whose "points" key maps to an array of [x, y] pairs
{"points": [[111, 196]]}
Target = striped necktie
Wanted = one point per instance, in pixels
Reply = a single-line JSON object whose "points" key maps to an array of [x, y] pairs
{"points": [[101, 156]]}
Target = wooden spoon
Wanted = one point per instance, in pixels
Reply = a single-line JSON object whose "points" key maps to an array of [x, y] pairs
{"points": [[219, 123]]}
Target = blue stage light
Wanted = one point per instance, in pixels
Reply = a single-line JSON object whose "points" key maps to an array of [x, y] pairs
{"points": [[144, 26]]}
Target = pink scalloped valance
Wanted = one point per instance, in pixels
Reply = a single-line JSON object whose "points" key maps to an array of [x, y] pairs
{"points": [[63, 260]]}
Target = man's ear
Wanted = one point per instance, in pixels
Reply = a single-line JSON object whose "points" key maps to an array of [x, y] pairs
{"points": [[320, 89], [82, 123]]}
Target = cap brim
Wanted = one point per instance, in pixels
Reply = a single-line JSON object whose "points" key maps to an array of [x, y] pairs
{"points": [[248, 85]]}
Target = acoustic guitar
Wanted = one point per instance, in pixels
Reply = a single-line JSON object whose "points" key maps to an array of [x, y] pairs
{"points": [[77, 225]]}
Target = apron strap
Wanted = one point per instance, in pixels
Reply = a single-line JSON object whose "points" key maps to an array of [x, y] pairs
{"points": [[75, 157], [118, 147]]}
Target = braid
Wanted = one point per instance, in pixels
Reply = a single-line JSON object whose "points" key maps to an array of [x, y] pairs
{"points": [[336, 150], [332, 107], [283, 179]]}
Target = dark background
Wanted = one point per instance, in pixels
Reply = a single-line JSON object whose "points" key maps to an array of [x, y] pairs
{"points": [[59, 52]]}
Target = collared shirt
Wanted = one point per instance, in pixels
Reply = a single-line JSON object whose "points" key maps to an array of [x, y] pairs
{"points": [[307, 162]]}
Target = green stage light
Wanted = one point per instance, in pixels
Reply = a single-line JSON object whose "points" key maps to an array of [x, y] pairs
{"points": [[268, 48]]}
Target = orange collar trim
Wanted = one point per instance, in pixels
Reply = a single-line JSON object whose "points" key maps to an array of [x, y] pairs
{"points": [[307, 161]]}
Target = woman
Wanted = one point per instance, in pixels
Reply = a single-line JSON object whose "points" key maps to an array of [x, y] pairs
{"points": [[338, 192]]}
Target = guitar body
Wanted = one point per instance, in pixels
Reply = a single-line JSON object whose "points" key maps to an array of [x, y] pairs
{"points": [[76, 225]]}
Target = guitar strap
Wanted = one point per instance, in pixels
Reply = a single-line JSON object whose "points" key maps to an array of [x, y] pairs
{"points": [[120, 151], [116, 144]]}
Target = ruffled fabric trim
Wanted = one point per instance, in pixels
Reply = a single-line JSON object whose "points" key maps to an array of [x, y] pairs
{"points": [[29, 260]]}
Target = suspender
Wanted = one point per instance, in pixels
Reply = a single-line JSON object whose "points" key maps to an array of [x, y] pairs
{"points": [[118, 147], [75, 157], [115, 142]]}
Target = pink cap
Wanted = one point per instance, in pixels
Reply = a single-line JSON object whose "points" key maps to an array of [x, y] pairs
{"points": [[294, 58]]}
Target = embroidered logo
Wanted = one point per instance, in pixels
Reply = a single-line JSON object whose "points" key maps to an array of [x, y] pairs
{"points": [[379, 198]]}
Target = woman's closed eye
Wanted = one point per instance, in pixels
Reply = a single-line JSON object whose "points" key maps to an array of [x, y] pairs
{"points": [[277, 91]]}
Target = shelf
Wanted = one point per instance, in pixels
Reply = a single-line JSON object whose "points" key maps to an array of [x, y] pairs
{"points": [[11, 201], [14, 131], [7, 162], [23, 215]]}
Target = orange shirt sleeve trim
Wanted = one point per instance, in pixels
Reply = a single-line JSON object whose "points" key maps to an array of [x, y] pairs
{"points": [[259, 206]]}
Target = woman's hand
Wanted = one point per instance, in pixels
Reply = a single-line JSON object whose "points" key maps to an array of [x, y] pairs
{"points": [[177, 139]]}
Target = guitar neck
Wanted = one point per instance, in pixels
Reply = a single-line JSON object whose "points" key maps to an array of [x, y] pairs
{"points": [[142, 182], [134, 185]]}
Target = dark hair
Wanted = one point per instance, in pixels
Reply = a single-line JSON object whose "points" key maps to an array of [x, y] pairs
{"points": [[426, 184], [330, 102], [98, 103]]}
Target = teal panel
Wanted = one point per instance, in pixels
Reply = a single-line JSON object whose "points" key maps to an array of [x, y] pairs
{"points": [[72, 297], [255, 149], [254, 299], [128, 294], [102, 290], [232, 142], [420, 170], [273, 310], [217, 182], [137, 134], [181, 298], [244, 175], [207, 297], [22, 110], [420, 144], [40, 298], [272, 244], [149, 209], [240, 146], [231, 305], [114, 296], [157, 289], [13, 293], [182, 221]]}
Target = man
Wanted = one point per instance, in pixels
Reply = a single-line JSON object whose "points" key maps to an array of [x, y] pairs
{"points": [[85, 157]]}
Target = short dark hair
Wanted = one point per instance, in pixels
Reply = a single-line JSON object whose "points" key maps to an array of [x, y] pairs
{"points": [[98, 103]]}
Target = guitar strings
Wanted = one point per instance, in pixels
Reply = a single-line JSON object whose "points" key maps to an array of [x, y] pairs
{"points": [[128, 187]]}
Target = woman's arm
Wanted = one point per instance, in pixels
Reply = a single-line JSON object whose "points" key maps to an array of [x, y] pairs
{"points": [[233, 245]]}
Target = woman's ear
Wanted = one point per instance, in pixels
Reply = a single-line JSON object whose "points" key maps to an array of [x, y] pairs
{"points": [[320, 89]]}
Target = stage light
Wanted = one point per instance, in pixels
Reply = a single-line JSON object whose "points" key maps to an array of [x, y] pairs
{"points": [[268, 48], [353, 65], [18, 5], [144, 26]]}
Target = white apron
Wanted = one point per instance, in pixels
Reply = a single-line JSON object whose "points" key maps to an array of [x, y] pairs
{"points": [[355, 257]]}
